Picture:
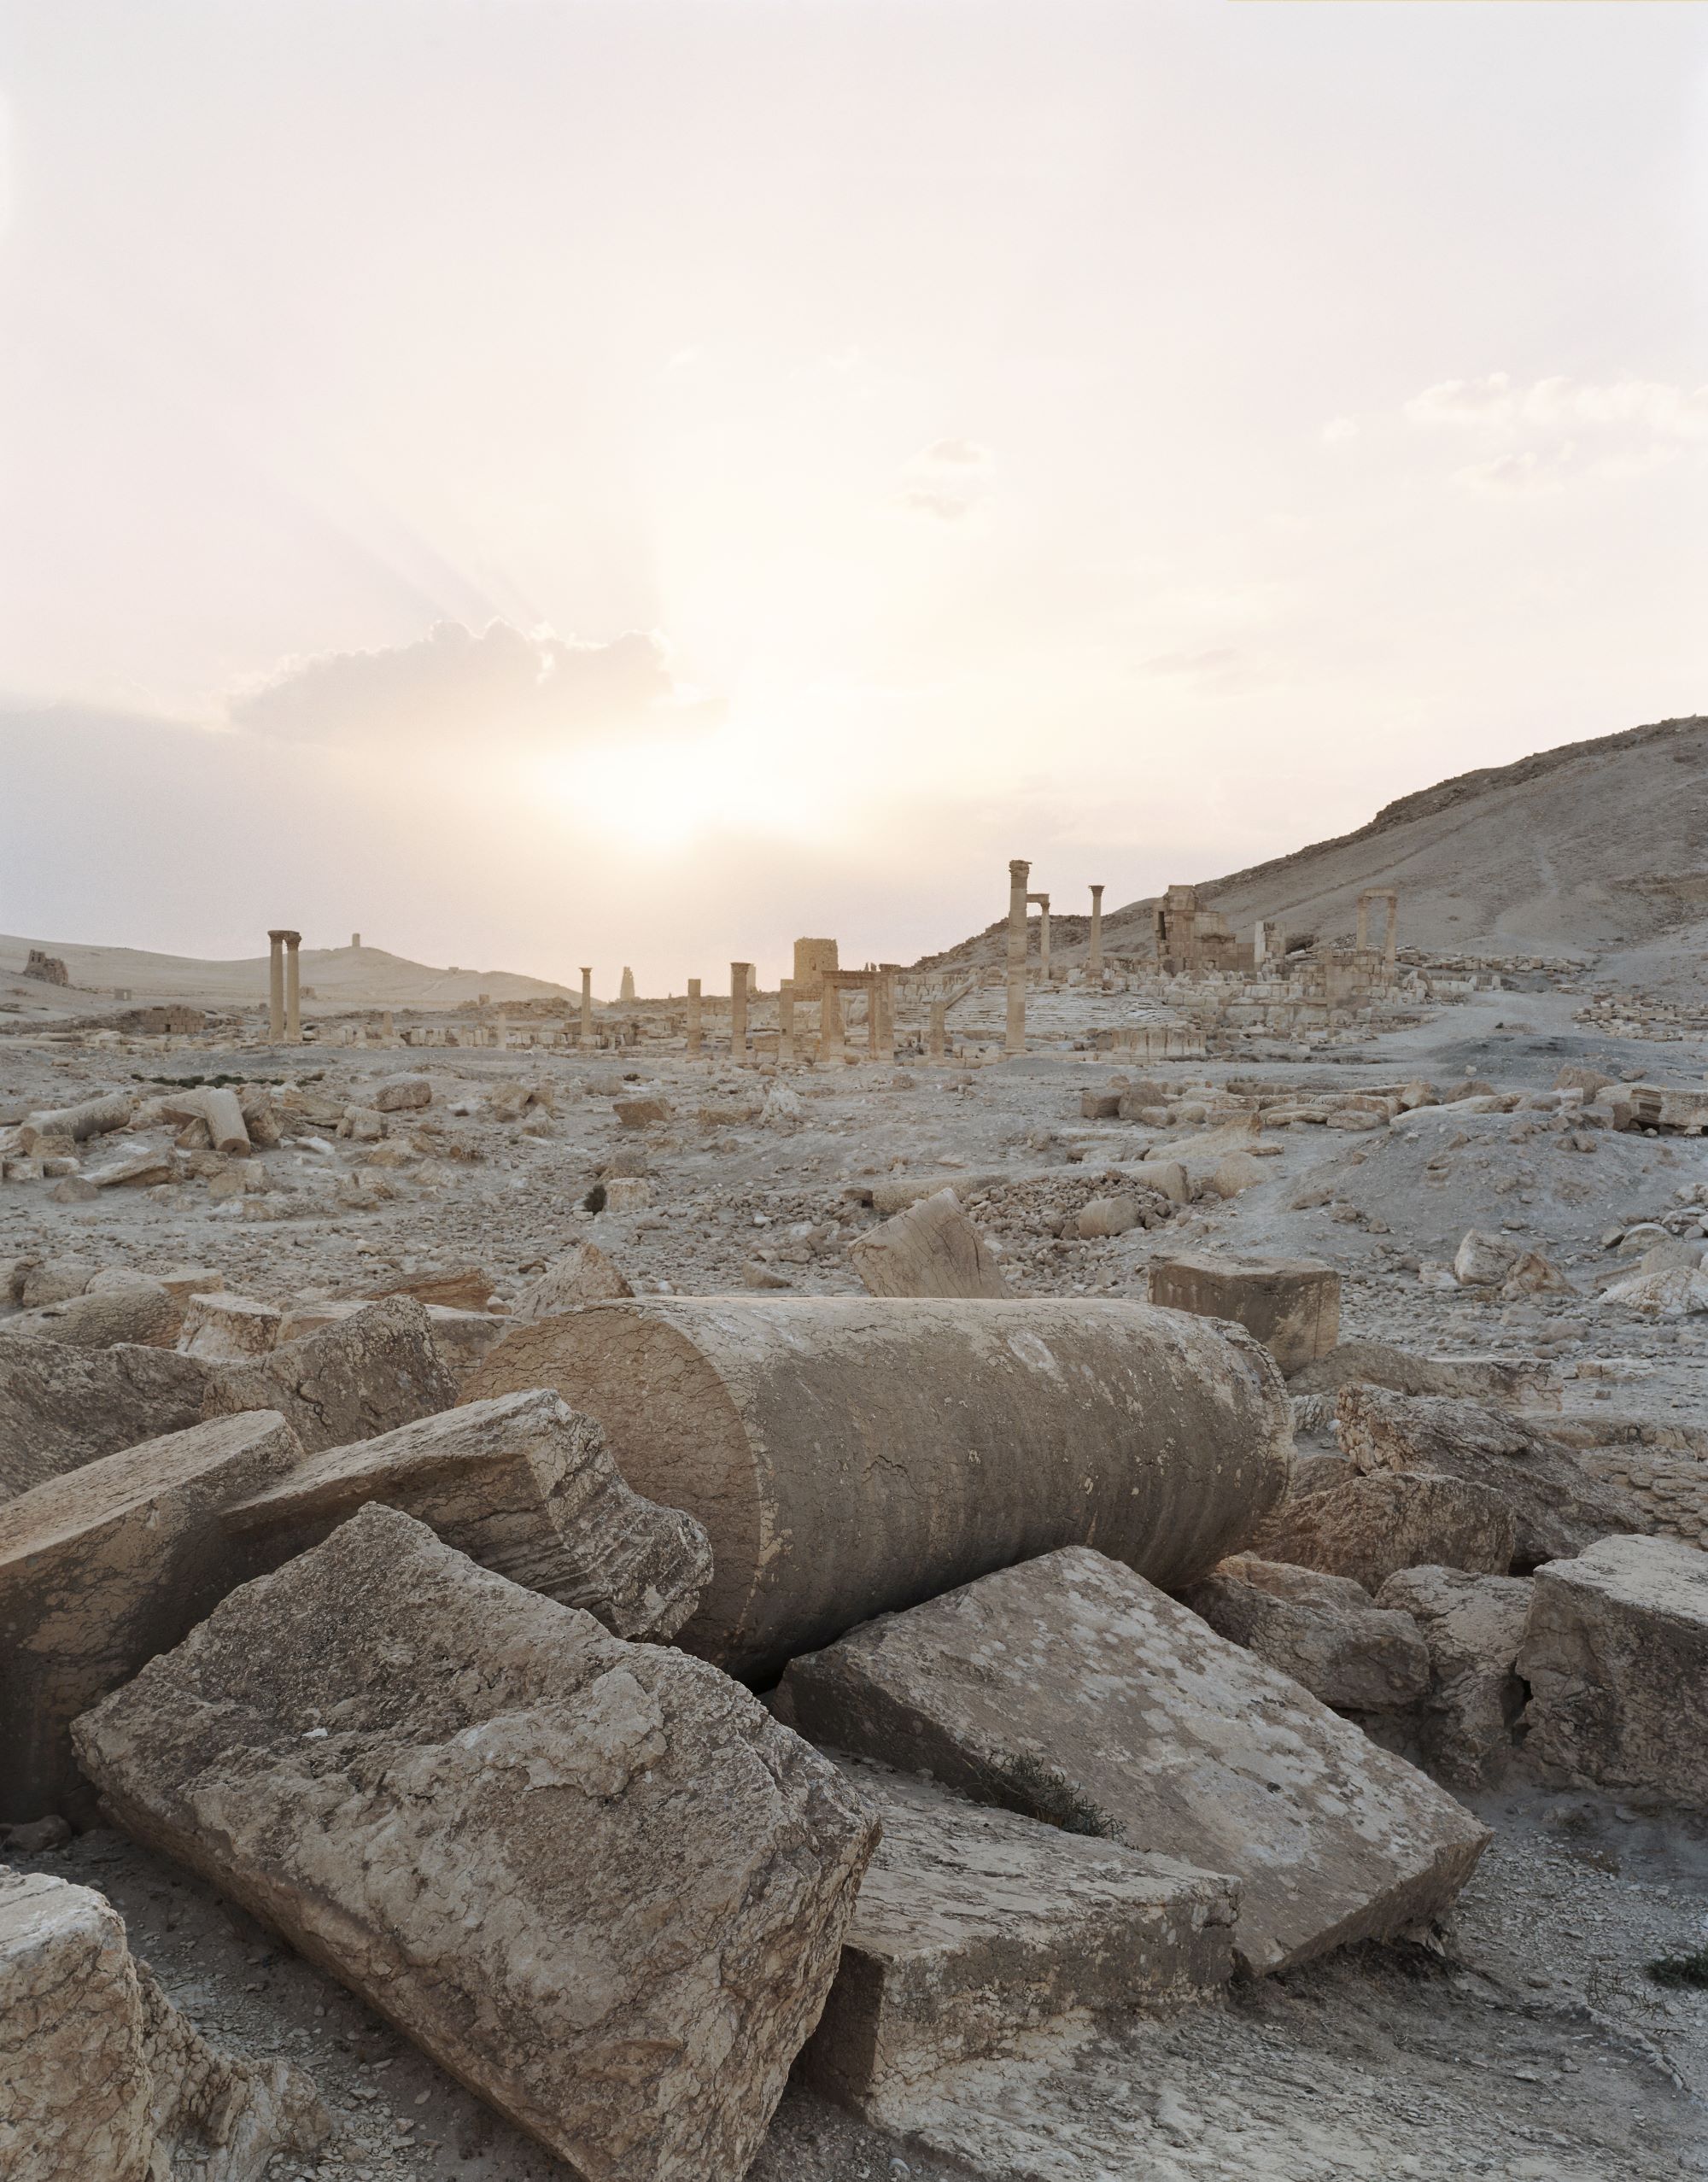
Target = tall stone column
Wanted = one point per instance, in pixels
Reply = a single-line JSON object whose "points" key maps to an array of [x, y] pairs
{"points": [[1390, 945], [937, 1036], [1362, 942], [693, 1030], [884, 1000], [829, 1019], [1019, 872], [786, 1020], [1044, 937], [738, 1009], [587, 1007], [1094, 953], [276, 988], [293, 989]]}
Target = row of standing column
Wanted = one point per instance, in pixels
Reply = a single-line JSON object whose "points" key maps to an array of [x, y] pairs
{"points": [[1020, 871]]}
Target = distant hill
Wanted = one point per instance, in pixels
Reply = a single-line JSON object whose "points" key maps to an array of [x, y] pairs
{"points": [[339, 978], [1592, 847]]}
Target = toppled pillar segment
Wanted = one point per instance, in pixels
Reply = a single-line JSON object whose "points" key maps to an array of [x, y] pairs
{"points": [[593, 1880], [1291, 1304], [1071, 1689], [1616, 1654], [369, 1373], [849, 1456], [101, 2080], [104, 1567], [932, 1248], [61, 1407], [521, 1484], [975, 1926]]}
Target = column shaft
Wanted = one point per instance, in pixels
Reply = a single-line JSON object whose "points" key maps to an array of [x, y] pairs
{"points": [[1019, 873]]}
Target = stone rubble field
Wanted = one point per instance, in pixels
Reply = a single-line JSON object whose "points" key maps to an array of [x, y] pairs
{"points": [[654, 1619]]}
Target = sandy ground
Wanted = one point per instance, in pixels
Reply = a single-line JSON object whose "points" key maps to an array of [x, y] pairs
{"points": [[1537, 2046]]}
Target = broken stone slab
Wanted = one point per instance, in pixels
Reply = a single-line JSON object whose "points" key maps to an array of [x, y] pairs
{"points": [[142, 1313], [1678, 1293], [1291, 1304], [1070, 1689], [1370, 1526], [583, 1274], [367, 1373], [227, 1328], [1322, 1630], [1525, 1381], [101, 2080], [143, 1170], [51, 1280], [462, 1338], [1473, 1626], [592, 1879], [1484, 1260], [62, 1407], [1616, 1655], [521, 1484], [104, 1567], [932, 1248], [1558, 1505], [852, 1455], [976, 1926], [456, 1288]]}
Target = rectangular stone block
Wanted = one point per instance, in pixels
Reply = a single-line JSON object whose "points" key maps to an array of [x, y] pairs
{"points": [[975, 1926], [1071, 1689], [102, 1568], [595, 1880], [1616, 1654], [1291, 1304]]}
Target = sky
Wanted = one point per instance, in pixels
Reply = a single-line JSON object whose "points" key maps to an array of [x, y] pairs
{"points": [[543, 482]]}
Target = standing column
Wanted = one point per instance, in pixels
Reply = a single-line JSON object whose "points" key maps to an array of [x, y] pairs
{"points": [[937, 1035], [587, 1008], [1094, 954], [737, 1008], [1390, 945], [1362, 942], [293, 990], [1044, 937], [694, 1016], [829, 1018], [276, 988], [1019, 872], [786, 1020], [884, 996]]}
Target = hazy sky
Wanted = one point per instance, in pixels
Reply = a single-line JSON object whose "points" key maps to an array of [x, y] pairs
{"points": [[545, 483]]}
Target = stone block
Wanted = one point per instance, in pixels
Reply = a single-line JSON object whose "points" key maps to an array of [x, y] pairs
{"points": [[1322, 1630], [641, 1113], [1523, 1381], [227, 1328], [628, 1193], [1071, 1689], [977, 1927], [1291, 1304], [594, 1880], [583, 1274], [401, 1094], [932, 1248], [454, 1288], [1370, 1528], [102, 2080], [142, 1313], [1472, 1626], [102, 1568], [1616, 1654], [61, 1407], [1104, 1218], [365, 1374], [521, 1484]]}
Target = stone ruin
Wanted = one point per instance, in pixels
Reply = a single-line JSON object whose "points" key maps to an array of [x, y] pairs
{"points": [[46, 969]]}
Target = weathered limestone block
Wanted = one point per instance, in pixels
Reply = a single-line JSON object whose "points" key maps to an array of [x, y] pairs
{"points": [[401, 1094], [1235, 1173], [104, 1567], [1526, 1381], [583, 1274], [932, 1248], [227, 1328], [219, 1108], [521, 1484], [143, 1170], [461, 1338], [593, 1880], [641, 1113], [93, 1117], [1371, 1527], [1558, 1505], [627, 1193], [455, 1288], [851, 1455], [1106, 1217], [102, 2080], [1484, 1260], [61, 1407], [975, 1926], [1069, 1689], [1322, 1630], [368, 1373], [1616, 1654], [1291, 1304], [142, 1313], [51, 1280], [1473, 1626]]}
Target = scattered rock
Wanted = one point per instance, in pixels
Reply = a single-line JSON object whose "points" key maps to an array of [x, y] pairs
{"points": [[403, 1095], [1321, 1630], [583, 1274], [1472, 1626]]}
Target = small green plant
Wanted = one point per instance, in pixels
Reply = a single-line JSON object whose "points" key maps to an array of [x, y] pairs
{"points": [[1025, 1783], [594, 1200], [1680, 1970]]}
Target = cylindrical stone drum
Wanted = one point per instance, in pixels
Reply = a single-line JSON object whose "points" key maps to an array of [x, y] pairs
{"points": [[851, 1455]]}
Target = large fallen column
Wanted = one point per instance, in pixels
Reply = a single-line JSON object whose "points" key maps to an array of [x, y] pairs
{"points": [[95, 1117], [849, 1456], [595, 1880]]}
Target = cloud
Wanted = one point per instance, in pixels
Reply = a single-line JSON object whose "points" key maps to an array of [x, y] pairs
{"points": [[457, 684], [1555, 430], [946, 480]]}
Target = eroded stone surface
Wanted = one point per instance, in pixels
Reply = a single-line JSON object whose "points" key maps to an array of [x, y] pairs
{"points": [[369, 1373], [1069, 1687], [61, 1407], [583, 1274], [593, 1880], [1370, 1527], [1473, 1626], [1322, 1630], [932, 1248]]}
